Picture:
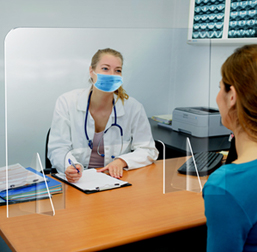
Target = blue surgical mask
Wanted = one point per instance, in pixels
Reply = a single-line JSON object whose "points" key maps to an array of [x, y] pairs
{"points": [[108, 83]]}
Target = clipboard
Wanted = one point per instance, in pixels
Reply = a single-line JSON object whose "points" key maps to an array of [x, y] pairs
{"points": [[93, 181]]}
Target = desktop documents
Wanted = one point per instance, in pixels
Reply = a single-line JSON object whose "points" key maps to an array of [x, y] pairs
{"points": [[25, 184], [93, 181], [18, 176], [198, 121]]}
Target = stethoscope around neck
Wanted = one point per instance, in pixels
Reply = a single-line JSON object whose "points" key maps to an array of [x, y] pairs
{"points": [[90, 142]]}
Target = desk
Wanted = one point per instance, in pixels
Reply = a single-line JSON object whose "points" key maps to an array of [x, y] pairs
{"points": [[110, 218], [175, 142]]}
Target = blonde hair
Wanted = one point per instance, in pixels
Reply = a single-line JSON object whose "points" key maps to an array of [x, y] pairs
{"points": [[121, 93]]}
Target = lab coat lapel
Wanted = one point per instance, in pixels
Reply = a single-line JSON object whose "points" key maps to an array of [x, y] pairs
{"points": [[119, 112], [82, 106], [83, 100]]}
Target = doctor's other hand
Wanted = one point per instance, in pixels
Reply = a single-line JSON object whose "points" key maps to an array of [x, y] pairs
{"points": [[72, 174], [115, 168]]}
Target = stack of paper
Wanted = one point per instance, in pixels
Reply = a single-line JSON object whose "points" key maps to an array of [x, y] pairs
{"points": [[17, 176], [166, 119], [29, 185]]}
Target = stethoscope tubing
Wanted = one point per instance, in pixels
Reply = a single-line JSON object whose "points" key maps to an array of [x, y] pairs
{"points": [[90, 143]]}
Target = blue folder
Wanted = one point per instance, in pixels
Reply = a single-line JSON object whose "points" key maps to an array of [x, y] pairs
{"points": [[31, 192]]}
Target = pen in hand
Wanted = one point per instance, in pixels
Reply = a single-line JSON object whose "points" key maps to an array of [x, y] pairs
{"points": [[71, 163]]}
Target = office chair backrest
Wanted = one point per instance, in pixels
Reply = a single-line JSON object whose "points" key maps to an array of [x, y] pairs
{"points": [[232, 154], [48, 165], [47, 161]]}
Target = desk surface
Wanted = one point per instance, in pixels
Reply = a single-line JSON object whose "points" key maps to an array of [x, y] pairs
{"points": [[110, 218]]}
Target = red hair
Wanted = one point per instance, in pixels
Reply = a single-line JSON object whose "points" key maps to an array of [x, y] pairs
{"points": [[240, 71]]}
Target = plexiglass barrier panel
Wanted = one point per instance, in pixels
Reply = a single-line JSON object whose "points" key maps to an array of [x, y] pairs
{"points": [[160, 70], [196, 128], [187, 180], [41, 64], [34, 191]]}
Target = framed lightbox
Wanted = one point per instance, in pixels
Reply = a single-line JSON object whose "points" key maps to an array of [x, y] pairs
{"points": [[222, 21]]}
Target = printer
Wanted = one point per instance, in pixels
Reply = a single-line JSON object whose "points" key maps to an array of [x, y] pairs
{"points": [[198, 121]]}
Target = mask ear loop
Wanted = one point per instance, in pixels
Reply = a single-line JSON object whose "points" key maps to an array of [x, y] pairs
{"points": [[90, 143]]}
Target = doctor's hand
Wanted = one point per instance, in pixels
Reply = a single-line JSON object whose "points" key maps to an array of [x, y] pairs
{"points": [[72, 174], [115, 168]]}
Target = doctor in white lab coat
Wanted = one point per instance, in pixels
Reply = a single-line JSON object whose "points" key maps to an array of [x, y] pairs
{"points": [[82, 130]]}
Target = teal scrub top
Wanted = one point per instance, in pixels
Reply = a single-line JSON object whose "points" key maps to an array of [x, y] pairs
{"points": [[230, 198]]}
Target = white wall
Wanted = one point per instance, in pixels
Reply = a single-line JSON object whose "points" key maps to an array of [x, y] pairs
{"points": [[160, 63], [45, 63], [196, 71], [77, 14]]}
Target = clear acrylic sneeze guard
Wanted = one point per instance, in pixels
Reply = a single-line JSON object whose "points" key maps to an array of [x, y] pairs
{"points": [[193, 88], [174, 181], [38, 70], [38, 201], [28, 88]]}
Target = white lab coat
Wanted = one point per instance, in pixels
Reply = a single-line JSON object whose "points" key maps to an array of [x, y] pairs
{"points": [[67, 136]]}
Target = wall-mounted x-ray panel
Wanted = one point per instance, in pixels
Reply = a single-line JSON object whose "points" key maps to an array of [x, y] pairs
{"points": [[222, 21], [243, 19]]}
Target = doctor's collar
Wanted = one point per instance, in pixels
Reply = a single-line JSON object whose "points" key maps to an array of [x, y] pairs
{"points": [[83, 100]]}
